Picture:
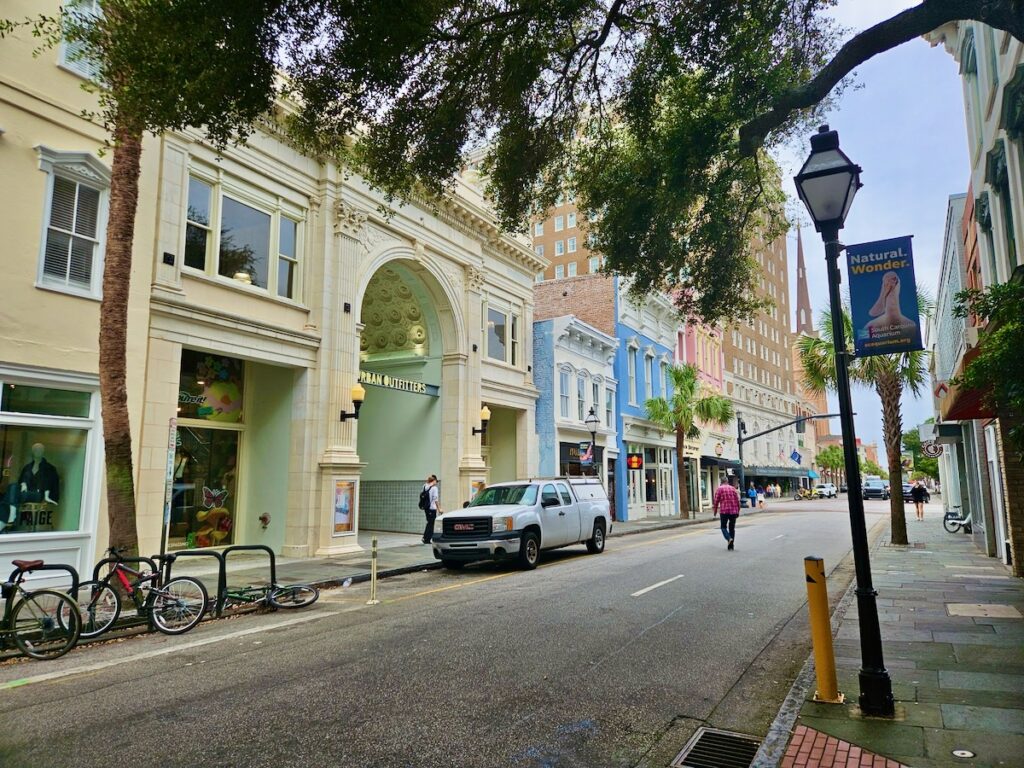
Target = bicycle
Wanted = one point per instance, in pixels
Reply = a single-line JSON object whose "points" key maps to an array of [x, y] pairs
{"points": [[45, 623], [954, 522], [273, 596], [173, 608]]}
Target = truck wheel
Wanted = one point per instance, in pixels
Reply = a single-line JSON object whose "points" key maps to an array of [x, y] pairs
{"points": [[529, 551], [595, 544], [453, 565]]}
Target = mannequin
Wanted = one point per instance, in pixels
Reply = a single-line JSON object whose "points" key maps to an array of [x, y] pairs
{"points": [[37, 482]]}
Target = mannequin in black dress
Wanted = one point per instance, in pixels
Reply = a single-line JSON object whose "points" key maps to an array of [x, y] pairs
{"points": [[37, 482]]}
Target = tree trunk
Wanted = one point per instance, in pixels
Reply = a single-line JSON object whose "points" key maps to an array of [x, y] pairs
{"points": [[889, 390], [117, 436], [684, 495]]}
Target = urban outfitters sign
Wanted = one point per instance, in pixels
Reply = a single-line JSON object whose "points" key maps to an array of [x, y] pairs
{"points": [[375, 379], [883, 297]]}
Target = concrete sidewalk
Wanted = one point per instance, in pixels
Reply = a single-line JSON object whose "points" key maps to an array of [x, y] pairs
{"points": [[397, 553], [953, 639]]}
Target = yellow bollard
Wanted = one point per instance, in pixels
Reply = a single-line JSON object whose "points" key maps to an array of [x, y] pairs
{"points": [[821, 632], [373, 573]]}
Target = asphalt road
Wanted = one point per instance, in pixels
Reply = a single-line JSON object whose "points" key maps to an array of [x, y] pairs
{"points": [[582, 663]]}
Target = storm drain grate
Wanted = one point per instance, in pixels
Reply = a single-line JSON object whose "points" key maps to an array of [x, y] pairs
{"points": [[710, 748]]}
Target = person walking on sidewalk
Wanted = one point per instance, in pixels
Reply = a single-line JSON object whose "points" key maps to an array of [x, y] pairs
{"points": [[920, 495], [431, 506], [726, 505], [752, 495]]}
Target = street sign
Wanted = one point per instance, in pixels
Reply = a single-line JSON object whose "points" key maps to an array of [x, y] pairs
{"points": [[931, 449], [883, 297]]}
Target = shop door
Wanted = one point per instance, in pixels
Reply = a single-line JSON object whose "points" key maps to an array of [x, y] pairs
{"points": [[635, 492], [996, 489]]}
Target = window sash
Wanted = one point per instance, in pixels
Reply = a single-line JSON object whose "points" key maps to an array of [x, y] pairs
{"points": [[581, 397], [563, 391], [72, 233]]}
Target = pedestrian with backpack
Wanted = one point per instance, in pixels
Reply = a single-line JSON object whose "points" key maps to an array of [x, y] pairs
{"points": [[431, 506]]}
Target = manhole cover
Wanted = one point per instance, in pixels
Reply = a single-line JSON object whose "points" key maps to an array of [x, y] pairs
{"points": [[711, 748]]}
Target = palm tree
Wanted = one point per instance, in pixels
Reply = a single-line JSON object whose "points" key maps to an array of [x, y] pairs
{"points": [[831, 458], [688, 406], [889, 375]]}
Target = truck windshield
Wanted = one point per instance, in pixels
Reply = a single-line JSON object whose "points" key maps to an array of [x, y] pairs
{"points": [[506, 494]]}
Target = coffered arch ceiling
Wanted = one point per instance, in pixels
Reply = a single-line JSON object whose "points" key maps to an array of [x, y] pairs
{"points": [[396, 315]]}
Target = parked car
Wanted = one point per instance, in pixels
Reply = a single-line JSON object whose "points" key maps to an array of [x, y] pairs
{"points": [[875, 489], [519, 519], [843, 488], [907, 488], [825, 491]]}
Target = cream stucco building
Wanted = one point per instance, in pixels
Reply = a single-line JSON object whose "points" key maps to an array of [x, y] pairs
{"points": [[266, 283]]}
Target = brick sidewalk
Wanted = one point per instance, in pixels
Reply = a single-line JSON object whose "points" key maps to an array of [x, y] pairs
{"points": [[814, 748]]}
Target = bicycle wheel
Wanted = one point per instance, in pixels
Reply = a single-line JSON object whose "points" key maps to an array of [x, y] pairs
{"points": [[100, 606], [177, 606], [951, 524], [293, 596], [45, 624]]}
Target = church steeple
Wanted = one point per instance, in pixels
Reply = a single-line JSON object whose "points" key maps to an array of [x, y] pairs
{"points": [[804, 314]]}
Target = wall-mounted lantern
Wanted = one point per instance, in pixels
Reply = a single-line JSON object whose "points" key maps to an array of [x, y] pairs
{"points": [[358, 395], [485, 416]]}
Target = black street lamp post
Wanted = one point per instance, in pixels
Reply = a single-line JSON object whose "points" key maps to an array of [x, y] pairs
{"points": [[593, 422], [827, 184]]}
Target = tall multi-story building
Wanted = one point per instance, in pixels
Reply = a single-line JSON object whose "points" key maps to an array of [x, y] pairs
{"points": [[561, 239], [759, 374]]}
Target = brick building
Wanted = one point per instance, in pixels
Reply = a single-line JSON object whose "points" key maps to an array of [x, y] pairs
{"points": [[561, 239]]}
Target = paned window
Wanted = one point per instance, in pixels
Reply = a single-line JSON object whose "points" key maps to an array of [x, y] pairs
{"points": [[559, 247], [559, 223], [538, 228], [595, 399], [72, 54], [563, 394], [581, 397], [594, 263], [570, 220], [572, 269], [254, 243], [503, 335], [609, 407], [539, 250], [649, 375], [71, 251], [72, 234], [631, 363], [571, 244], [559, 270]]}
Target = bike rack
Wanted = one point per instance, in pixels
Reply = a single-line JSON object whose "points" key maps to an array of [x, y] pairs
{"points": [[73, 592], [222, 591], [170, 557]]}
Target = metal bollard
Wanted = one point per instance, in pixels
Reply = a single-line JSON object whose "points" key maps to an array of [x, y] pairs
{"points": [[373, 573], [821, 632]]}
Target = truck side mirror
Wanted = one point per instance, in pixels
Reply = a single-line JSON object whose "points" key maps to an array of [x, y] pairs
{"points": [[549, 502]]}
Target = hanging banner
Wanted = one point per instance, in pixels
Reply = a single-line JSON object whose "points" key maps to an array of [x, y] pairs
{"points": [[883, 297]]}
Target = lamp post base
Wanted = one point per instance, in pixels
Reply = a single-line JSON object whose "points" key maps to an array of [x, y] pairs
{"points": [[876, 694]]}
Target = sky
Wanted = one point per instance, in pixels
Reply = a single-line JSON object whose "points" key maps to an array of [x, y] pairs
{"points": [[904, 125]]}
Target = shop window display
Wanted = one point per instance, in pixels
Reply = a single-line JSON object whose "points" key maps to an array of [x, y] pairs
{"points": [[205, 483], [41, 478]]}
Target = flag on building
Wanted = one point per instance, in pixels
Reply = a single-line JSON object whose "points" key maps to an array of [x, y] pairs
{"points": [[795, 457]]}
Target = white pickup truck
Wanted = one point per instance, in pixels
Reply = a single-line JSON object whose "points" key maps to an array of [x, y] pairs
{"points": [[518, 519]]}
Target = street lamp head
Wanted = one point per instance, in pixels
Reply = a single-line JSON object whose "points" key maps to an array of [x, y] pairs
{"points": [[592, 422], [828, 181]]}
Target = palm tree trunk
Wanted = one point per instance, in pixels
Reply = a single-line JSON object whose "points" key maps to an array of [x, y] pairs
{"points": [[117, 436], [684, 495], [889, 391]]}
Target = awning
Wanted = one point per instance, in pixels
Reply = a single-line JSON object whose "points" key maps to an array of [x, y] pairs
{"points": [[775, 472], [710, 461], [812, 474], [962, 404]]}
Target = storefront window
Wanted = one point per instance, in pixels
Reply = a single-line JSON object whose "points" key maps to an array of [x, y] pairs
{"points": [[205, 489], [43, 469], [651, 483], [19, 398], [210, 387]]}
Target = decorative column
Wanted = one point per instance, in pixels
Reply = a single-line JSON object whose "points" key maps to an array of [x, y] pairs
{"points": [[472, 468]]}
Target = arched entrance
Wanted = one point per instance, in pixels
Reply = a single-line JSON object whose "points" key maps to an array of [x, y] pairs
{"points": [[407, 328]]}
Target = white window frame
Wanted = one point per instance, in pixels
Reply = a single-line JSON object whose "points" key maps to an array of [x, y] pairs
{"points": [[538, 228], [563, 392], [80, 168], [570, 245], [581, 397], [649, 374], [275, 206], [570, 220], [559, 247], [609, 406], [539, 249], [594, 263], [572, 269], [559, 271], [559, 223], [632, 352], [82, 66], [513, 333]]}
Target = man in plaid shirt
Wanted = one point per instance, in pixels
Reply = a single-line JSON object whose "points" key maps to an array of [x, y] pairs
{"points": [[726, 505]]}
